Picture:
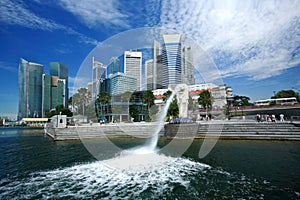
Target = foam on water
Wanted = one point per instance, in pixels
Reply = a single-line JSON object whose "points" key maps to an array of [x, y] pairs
{"points": [[117, 177]]}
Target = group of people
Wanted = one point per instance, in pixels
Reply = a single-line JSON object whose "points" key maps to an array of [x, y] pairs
{"points": [[269, 118]]}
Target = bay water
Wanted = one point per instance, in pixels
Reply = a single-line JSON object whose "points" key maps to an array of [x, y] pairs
{"points": [[32, 166]]}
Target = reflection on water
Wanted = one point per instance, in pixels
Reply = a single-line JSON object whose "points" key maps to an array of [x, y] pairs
{"points": [[36, 167]]}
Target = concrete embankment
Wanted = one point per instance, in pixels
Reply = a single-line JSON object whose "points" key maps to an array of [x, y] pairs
{"points": [[247, 130], [142, 130]]}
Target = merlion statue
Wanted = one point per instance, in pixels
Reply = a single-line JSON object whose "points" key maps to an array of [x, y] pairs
{"points": [[182, 99]]}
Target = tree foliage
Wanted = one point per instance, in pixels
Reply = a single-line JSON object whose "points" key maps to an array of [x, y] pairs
{"points": [[284, 94], [148, 98], [241, 101], [103, 98], [60, 109], [81, 99], [173, 110], [205, 99]]}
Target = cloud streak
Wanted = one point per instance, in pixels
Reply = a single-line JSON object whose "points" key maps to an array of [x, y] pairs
{"points": [[255, 39], [16, 13], [94, 13], [7, 67]]}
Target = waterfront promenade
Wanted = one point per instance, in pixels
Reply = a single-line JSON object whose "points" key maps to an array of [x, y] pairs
{"points": [[243, 129]]}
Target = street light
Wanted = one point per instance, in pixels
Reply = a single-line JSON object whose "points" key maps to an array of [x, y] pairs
{"points": [[298, 91]]}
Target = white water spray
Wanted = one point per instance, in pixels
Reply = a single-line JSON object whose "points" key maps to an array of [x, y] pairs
{"points": [[151, 145]]}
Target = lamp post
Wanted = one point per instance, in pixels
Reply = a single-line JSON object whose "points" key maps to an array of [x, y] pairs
{"points": [[298, 91]]}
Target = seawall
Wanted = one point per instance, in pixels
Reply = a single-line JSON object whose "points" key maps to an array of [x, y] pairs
{"points": [[247, 130]]}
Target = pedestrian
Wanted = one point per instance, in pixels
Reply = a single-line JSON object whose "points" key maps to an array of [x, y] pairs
{"points": [[258, 118], [281, 117], [273, 118]]}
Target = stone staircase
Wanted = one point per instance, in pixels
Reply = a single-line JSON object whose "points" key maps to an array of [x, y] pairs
{"points": [[240, 130]]}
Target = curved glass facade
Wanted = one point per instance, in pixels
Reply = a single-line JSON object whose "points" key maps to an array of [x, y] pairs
{"points": [[30, 89]]}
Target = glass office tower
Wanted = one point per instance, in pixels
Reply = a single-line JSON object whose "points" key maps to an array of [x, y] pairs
{"points": [[171, 59], [30, 89], [60, 70]]}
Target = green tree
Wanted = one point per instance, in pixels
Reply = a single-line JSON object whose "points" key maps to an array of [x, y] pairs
{"points": [[148, 98], [134, 112], [205, 100], [284, 94], [241, 101], [103, 98], [191, 103], [81, 99], [60, 109], [173, 110]]}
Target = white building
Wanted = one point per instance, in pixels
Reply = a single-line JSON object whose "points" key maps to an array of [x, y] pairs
{"points": [[187, 66], [133, 66], [98, 76], [149, 74]]}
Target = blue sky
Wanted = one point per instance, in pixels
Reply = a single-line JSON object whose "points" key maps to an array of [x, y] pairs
{"points": [[254, 44]]}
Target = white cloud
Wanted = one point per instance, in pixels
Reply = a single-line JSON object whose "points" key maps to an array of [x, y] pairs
{"points": [[77, 82], [257, 37], [16, 13], [7, 67], [96, 12]]}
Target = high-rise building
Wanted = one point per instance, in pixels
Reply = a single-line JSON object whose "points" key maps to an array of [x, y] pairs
{"points": [[171, 59], [120, 83], [155, 53], [55, 89], [187, 66], [30, 89], [99, 75], [159, 72], [133, 66], [60, 70], [114, 65], [149, 74]]}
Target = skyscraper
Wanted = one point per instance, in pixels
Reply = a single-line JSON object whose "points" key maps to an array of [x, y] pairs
{"points": [[149, 74], [155, 53], [187, 66], [114, 65], [120, 83], [159, 74], [30, 89], [171, 59], [55, 89], [60, 70], [133, 66], [99, 75]]}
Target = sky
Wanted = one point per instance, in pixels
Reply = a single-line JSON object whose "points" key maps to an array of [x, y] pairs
{"points": [[254, 44]]}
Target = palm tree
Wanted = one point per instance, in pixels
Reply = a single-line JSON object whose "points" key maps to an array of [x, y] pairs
{"points": [[149, 98], [205, 100], [166, 95]]}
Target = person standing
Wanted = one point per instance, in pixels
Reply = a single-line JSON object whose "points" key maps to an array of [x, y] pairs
{"points": [[281, 117]]}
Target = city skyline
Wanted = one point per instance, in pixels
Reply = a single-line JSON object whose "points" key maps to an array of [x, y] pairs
{"points": [[255, 46]]}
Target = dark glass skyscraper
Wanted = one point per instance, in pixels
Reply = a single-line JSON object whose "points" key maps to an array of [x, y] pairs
{"points": [[30, 89], [55, 87], [171, 59], [61, 71]]}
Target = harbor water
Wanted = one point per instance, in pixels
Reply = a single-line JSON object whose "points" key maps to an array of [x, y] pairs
{"points": [[35, 167]]}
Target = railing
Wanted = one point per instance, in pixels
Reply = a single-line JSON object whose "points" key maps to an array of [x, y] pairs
{"points": [[295, 118]]}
